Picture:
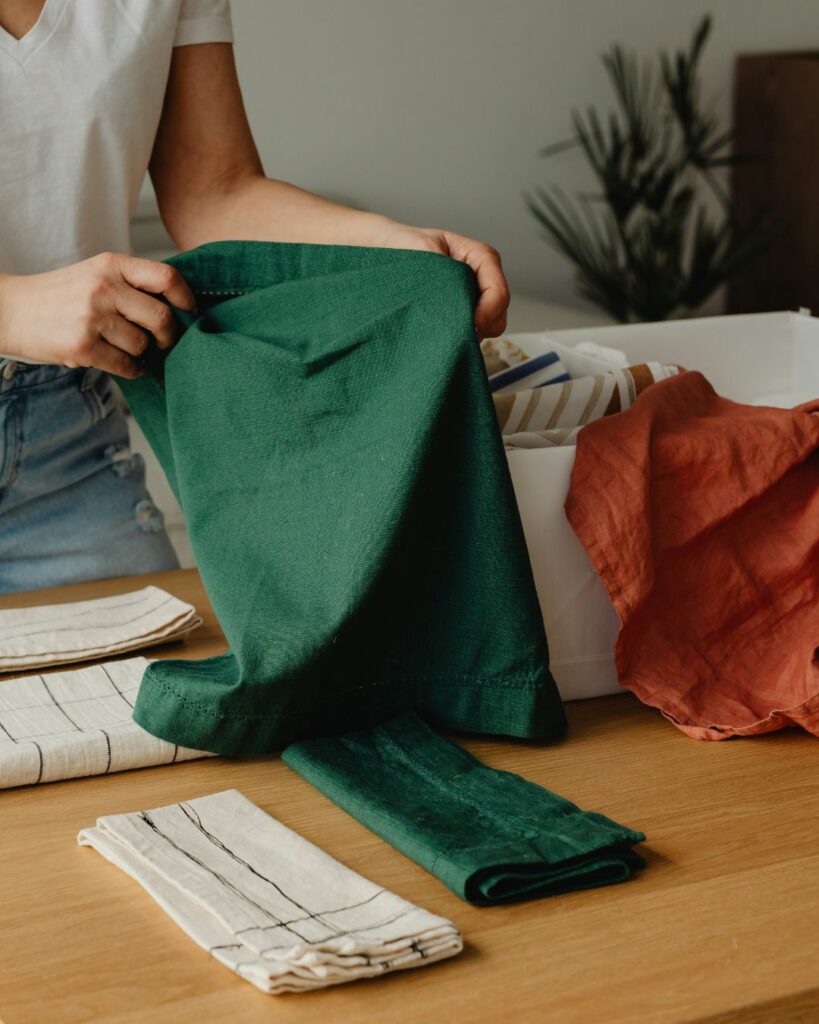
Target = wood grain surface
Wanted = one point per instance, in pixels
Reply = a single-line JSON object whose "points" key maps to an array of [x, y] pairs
{"points": [[722, 926]]}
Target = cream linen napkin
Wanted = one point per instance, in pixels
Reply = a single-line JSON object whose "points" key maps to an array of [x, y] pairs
{"points": [[67, 724], [58, 634], [264, 901]]}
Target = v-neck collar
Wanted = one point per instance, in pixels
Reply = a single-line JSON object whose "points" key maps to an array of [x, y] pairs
{"points": [[21, 49]]}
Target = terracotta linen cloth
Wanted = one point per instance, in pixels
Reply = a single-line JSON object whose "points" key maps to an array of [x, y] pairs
{"points": [[701, 517]]}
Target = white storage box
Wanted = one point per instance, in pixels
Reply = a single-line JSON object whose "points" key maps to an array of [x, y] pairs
{"points": [[760, 358]]}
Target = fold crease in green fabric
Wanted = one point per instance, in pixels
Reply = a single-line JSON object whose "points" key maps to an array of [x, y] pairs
{"points": [[490, 836]]}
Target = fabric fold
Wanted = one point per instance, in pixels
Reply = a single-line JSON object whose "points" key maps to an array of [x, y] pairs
{"points": [[65, 725], [490, 836], [265, 902], [326, 424], [59, 634]]}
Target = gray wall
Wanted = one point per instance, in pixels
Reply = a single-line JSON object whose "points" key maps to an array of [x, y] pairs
{"points": [[433, 110]]}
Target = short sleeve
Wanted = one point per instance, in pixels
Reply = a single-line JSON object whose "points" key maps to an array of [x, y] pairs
{"points": [[203, 21]]}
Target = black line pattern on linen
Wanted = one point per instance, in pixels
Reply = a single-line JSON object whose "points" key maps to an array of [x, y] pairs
{"points": [[237, 967], [350, 931], [196, 821], [335, 932], [82, 611], [175, 752], [384, 965], [108, 744], [325, 913], [70, 732], [144, 816], [67, 703], [104, 625], [14, 739], [57, 704], [116, 688]]}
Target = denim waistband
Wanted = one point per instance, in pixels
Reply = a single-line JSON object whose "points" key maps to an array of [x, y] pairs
{"points": [[15, 375]]}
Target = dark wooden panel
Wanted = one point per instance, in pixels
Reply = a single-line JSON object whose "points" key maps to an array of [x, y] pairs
{"points": [[776, 117]]}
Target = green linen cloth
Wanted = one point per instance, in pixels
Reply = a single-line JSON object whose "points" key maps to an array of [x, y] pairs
{"points": [[326, 425], [490, 836]]}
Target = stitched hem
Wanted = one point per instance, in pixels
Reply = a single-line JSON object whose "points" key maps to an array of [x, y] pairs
{"points": [[528, 682], [463, 703]]}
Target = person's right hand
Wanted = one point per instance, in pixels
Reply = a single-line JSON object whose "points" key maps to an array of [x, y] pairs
{"points": [[94, 313]]}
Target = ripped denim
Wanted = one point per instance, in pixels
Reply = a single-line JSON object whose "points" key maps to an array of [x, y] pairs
{"points": [[73, 503]]}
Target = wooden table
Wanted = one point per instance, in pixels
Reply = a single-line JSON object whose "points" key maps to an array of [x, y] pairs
{"points": [[722, 926]]}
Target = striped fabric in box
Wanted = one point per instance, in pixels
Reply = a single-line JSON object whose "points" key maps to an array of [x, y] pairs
{"points": [[510, 368], [548, 417]]}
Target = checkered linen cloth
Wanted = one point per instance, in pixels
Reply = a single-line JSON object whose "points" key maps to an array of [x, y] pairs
{"points": [[265, 902], [59, 634], [63, 725]]}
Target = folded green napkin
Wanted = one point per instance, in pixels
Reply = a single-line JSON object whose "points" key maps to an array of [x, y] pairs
{"points": [[490, 836], [326, 424]]}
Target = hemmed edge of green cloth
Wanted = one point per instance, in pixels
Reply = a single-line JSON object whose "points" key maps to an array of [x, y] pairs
{"points": [[457, 704]]}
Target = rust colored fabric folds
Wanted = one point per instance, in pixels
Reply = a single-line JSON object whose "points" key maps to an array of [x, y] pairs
{"points": [[702, 518]]}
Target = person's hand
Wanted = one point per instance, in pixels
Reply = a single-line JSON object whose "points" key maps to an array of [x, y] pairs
{"points": [[490, 310], [94, 313]]}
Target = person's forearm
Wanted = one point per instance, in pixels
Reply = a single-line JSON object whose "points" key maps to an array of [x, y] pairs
{"points": [[246, 205], [8, 339], [264, 209], [210, 184]]}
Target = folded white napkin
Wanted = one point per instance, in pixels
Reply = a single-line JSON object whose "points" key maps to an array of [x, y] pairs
{"points": [[67, 724], [263, 900], [59, 634]]}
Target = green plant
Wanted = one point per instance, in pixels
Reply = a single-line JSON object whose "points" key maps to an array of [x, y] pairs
{"points": [[645, 246]]}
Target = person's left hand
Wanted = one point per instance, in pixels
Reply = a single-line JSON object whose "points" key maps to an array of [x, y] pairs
{"points": [[490, 310]]}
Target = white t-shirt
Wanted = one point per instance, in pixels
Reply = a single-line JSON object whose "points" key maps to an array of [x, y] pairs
{"points": [[80, 98]]}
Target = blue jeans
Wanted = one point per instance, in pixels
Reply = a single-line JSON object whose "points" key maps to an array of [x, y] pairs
{"points": [[73, 503]]}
